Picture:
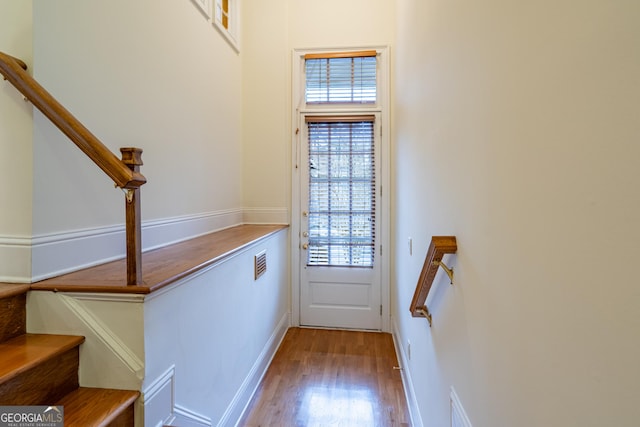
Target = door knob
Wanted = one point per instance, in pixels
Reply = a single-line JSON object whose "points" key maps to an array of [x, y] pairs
{"points": [[305, 213], [305, 246], [305, 234]]}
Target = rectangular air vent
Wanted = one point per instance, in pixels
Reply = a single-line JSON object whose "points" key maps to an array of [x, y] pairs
{"points": [[260, 264]]}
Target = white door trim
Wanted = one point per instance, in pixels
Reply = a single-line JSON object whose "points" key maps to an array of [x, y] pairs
{"points": [[384, 210]]}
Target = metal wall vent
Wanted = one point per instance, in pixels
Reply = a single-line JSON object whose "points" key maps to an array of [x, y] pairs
{"points": [[260, 264]]}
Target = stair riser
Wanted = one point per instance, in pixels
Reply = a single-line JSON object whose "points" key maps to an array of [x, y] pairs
{"points": [[124, 419], [44, 384], [13, 316]]}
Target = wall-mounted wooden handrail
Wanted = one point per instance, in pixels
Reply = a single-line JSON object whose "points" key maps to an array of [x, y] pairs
{"points": [[125, 173], [439, 246], [13, 70]]}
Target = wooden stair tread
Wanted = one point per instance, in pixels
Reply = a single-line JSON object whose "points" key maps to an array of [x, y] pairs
{"points": [[93, 407], [24, 352], [10, 289]]}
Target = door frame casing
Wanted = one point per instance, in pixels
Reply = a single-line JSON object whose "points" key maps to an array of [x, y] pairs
{"points": [[382, 107]]}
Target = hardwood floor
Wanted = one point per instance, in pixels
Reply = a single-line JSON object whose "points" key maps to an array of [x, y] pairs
{"points": [[331, 378]]}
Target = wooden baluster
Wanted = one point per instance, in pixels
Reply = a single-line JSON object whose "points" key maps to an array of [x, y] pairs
{"points": [[132, 157]]}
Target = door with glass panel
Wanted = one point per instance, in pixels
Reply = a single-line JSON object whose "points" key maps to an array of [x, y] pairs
{"points": [[339, 261]]}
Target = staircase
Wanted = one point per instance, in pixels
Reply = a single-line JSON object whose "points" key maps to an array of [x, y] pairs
{"points": [[38, 369]]}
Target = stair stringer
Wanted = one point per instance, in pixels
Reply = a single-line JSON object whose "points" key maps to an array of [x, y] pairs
{"points": [[112, 355]]}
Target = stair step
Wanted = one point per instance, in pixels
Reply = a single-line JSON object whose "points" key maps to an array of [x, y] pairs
{"points": [[38, 369], [97, 407], [13, 313]]}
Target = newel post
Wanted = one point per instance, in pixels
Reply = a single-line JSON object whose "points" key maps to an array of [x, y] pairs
{"points": [[132, 157]]}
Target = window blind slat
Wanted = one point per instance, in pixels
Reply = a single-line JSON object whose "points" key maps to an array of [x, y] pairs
{"points": [[341, 193], [341, 80]]}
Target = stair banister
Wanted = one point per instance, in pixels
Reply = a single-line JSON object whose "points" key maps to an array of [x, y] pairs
{"points": [[125, 173], [440, 245]]}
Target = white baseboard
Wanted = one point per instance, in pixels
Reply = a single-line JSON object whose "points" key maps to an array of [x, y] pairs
{"points": [[238, 405], [412, 402], [265, 216], [459, 416], [60, 253], [15, 259], [183, 417]]}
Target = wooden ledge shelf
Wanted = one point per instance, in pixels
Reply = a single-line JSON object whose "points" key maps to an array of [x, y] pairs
{"points": [[440, 245], [163, 266]]}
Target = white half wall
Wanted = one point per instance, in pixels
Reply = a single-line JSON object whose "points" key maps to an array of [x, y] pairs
{"points": [[196, 350], [218, 330]]}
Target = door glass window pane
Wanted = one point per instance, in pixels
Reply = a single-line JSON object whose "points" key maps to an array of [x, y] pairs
{"points": [[341, 194]]}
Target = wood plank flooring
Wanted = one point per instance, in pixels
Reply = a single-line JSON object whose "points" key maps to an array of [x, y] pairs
{"points": [[331, 378]]}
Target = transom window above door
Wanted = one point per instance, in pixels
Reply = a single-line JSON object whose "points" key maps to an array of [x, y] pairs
{"points": [[348, 77]]}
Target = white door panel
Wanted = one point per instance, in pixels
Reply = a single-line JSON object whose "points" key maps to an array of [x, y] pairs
{"points": [[339, 228]]}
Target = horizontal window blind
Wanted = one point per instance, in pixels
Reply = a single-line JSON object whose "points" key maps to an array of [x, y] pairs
{"points": [[338, 79], [341, 211]]}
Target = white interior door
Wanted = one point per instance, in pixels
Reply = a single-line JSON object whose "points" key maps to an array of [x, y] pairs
{"points": [[340, 256]]}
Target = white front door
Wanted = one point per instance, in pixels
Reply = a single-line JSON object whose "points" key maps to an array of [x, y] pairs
{"points": [[339, 225]]}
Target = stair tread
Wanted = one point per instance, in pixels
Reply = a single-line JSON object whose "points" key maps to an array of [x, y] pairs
{"points": [[93, 407], [23, 352], [10, 289]]}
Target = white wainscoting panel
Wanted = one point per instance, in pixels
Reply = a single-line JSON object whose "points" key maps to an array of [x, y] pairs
{"points": [[157, 400]]}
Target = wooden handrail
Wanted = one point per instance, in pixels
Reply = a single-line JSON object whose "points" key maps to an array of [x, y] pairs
{"points": [[125, 173], [439, 246], [13, 70]]}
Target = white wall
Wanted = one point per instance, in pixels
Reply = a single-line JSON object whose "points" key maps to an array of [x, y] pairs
{"points": [[271, 31], [155, 76], [16, 148], [517, 129]]}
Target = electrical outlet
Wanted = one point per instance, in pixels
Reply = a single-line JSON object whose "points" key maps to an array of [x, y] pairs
{"points": [[408, 349]]}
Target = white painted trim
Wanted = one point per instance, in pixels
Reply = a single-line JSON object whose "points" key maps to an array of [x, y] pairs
{"points": [[231, 35], [205, 7], [186, 418], [157, 400], [15, 259], [103, 296], [59, 253], [459, 416], [384, 213], [243, 396], [105, 335], [409, 391], [265, 216]]}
